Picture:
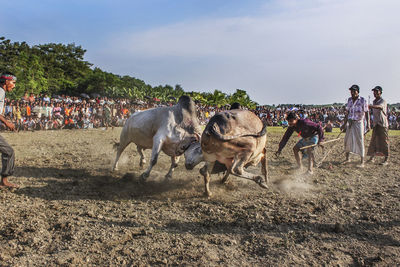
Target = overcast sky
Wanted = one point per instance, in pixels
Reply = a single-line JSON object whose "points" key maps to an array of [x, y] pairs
{"points": [[279, 51]]}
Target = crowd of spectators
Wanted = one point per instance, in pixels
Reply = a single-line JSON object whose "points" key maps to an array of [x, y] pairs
{"points": [[41, 112], [330, 117]]}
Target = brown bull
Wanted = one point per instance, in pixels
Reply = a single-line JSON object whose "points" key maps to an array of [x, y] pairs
{"points": [[236, 139]]}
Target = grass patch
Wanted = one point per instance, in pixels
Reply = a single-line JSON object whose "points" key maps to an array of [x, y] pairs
{"points": [[394, 132]]}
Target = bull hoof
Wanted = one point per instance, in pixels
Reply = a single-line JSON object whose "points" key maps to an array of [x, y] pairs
{"points": [[203, 171], [143, 177], [224, 180], [261, 182], [207, 194], [141, 164], [167, 177]]}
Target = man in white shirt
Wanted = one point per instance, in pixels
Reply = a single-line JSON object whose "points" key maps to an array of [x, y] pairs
{"points": [[7, 84]]}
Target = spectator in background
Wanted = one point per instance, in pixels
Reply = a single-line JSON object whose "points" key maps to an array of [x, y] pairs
{"points": [[31, 98], [379, 144], [46, 98], [107, 116], [328, 127], [25, 98]]}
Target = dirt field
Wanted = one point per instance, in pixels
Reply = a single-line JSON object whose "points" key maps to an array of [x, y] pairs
{"points": [[71, 210]]}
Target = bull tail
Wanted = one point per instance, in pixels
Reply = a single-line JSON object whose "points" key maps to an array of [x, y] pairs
{"points": [[216, 132]]}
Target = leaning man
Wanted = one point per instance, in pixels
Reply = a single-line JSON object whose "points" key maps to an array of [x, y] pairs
{"points": [[7, 84], [311, 133], [379, 144], [357, 111]]}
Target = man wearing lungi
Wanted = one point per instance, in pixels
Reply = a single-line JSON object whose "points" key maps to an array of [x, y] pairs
{"points": [[379, 145], [311, 133], [357, 112]]}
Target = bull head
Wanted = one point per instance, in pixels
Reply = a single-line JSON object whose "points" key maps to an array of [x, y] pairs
{"points": [[186, 142], [193, 155]]}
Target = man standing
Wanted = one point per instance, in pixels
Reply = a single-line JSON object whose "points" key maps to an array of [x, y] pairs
{"points": [[7, 84], [107, 116], [379, 144], [357, 111], [311, 133]]}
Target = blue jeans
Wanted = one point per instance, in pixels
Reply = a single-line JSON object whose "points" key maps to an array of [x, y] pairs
{"points": [[307, 142]]}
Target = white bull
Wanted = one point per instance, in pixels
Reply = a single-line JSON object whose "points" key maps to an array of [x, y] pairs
{"points": [[231, 141], [167, 129]]}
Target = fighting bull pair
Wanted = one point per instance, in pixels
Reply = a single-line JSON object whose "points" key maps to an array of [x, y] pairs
{"points": [[231, 141]]}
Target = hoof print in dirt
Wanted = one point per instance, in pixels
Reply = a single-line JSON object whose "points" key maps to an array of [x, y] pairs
{"points": [[338, 228]]}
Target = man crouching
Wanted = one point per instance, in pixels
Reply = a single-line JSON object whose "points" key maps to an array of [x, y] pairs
{"points": [[311, 133]]}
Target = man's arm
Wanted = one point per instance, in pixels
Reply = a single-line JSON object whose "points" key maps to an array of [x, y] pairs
{"points": [[344, 121], [382, 106], [366, 108], [320, 132], [285, 139], [7, 123], [376, 106], [368, 126]]}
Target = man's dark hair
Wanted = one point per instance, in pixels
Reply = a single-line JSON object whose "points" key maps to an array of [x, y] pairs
{"points": [[236, 105], [291, 116]]}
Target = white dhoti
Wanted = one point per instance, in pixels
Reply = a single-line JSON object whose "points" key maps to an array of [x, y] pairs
{"points": [[354, 139]]}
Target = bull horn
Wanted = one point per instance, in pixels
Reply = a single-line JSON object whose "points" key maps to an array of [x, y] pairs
{"points": [[198, 136]]}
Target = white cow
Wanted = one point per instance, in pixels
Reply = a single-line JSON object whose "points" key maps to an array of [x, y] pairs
{"points": [[170, 129]]}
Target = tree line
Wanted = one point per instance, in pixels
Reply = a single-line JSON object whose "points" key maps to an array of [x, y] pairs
{"points": [[61, 69]]}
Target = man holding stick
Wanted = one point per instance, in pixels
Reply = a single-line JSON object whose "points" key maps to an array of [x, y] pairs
{"points": [[357, 111], [379, 144], [311, 133], [7, 84]]}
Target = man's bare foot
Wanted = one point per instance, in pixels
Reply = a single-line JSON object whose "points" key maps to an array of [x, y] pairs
{"points": [[297, 167], [361, 165], [310, 172], [347, 161], [384, 163], [6, 184]]}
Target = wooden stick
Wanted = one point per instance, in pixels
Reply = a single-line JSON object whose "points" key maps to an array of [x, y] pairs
{"points": [[326, 142]]}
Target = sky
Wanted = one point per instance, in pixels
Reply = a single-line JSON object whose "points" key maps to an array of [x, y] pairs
{"points": [[279, 51]]}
